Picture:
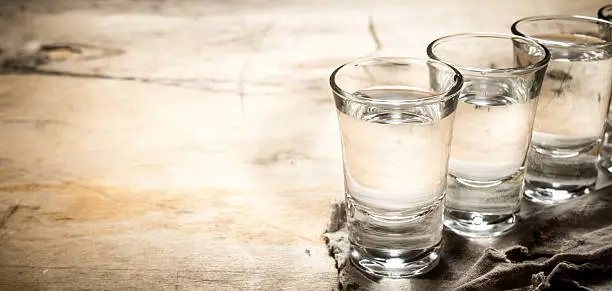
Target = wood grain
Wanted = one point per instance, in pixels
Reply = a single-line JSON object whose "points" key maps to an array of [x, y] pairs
{"points": [[203, 152]]}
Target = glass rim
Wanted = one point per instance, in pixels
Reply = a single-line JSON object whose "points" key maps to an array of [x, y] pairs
{"points": [[601, 10], [577, 18], [439, 97], [529, 68]]}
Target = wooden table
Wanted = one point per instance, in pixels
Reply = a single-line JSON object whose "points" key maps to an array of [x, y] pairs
{"points": [[189, 144]]}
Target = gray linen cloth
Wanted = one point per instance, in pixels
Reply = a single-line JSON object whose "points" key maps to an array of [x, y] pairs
{"points": [[563, 247]]}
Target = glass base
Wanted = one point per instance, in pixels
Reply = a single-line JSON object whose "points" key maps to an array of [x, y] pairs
{"points": [[555, 176], [549, 194], [390, 263], [475, 224]]}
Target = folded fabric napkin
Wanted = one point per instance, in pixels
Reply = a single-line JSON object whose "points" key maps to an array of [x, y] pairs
{"points": [[564, 247]]}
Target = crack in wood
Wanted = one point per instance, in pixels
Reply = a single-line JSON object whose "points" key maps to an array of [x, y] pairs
{"points": [[288, 231], [38, 123], [11, 210], [170, 82], [100, 192], [30, 64], [63, 51], [378, 46], [374, 35], [139, 269]]}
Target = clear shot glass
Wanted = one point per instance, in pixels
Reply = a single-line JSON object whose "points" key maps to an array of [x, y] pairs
{"points": [[396, 117], [605, 153], [502, 78], [573, 106]]}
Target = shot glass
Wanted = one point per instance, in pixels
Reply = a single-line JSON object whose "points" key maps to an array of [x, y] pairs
{"points": [[502, 77], [573, 106], [605, 154], [396, 117]]}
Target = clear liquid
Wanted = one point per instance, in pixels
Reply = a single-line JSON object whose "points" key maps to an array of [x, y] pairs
{"points": [[490, 137], [575, 96], [490, 140], [395, 162], [569, 122]]}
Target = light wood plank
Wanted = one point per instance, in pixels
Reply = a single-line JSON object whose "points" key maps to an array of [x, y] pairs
{"points": [[206, 153]]}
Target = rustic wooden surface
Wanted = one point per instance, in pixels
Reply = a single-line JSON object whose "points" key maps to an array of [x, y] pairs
{"points": [[190, 144]]}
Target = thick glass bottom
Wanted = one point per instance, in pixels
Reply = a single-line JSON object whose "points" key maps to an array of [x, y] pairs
{"points": [[555, 193], [394, 263], [555, 177], [476, 224], [395, 243], [483, 208]]}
